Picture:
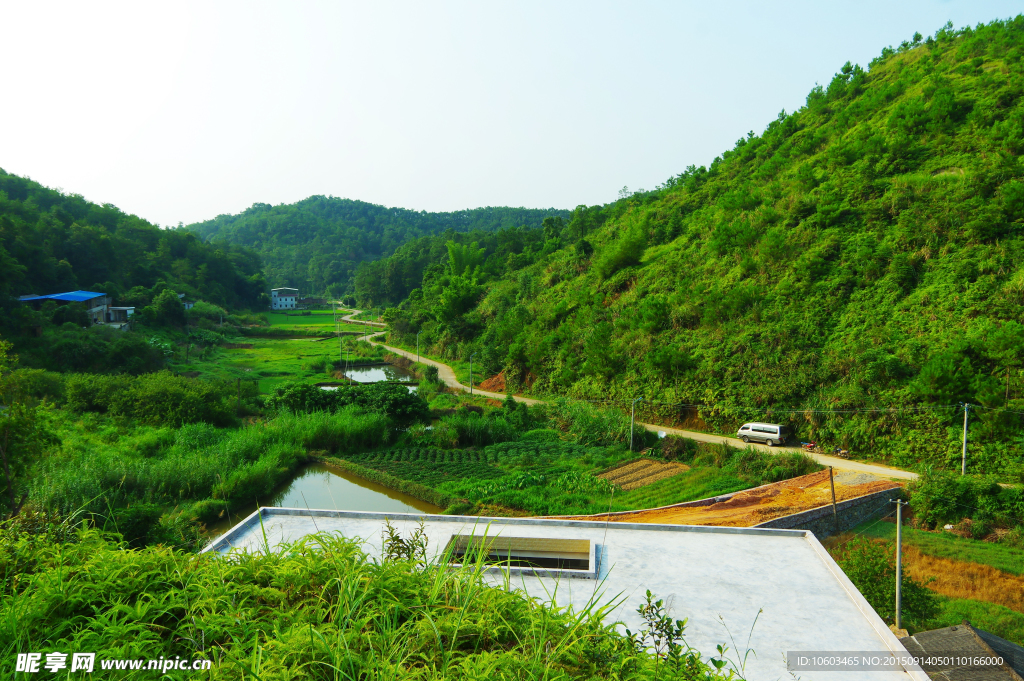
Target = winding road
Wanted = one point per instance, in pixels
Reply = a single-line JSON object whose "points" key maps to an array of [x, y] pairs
{"points": [[447, 375]]}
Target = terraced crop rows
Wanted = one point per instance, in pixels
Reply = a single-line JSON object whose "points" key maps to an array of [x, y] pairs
{"points": [[430, 466], [642, 472]]}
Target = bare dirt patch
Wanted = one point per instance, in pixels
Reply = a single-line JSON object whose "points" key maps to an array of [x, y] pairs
{"points": [[494, 384], [757, 505], [642, 473]]}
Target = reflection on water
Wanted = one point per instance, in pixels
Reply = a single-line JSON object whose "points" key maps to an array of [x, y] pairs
{"points": [[320, 486], [379, 373]]}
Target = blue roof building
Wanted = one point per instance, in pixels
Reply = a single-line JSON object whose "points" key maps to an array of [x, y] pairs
{"points": [[97, 304], [69, 297]]}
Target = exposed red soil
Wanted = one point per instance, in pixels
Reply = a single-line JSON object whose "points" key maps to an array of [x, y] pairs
{"points": [[757, 505]]}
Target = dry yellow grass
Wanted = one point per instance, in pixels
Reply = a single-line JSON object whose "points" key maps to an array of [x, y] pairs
{"points": [[959, 579]]}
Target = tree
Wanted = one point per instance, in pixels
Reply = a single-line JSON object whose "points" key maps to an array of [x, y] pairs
{"points": [[457, 298], [166, 310], [464, 259]]}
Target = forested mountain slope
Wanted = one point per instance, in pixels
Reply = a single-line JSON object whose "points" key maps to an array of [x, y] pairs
{"points": [[52, 242], [317, 244], [856, 270]]}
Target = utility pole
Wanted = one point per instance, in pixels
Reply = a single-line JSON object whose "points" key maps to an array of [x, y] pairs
{"points": [[471, 373], [835, 513], [418, 346], [963, 461], [632, 418], [899, 560]]}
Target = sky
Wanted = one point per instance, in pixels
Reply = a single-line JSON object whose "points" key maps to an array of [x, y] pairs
{"points": [[181, 111]]}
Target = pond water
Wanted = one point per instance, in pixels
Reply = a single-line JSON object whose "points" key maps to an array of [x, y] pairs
{"points": [[386, 372], [320, 486]]}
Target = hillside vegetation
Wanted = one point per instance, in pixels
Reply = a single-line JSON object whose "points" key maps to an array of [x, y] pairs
{"points": [[52, 242], [318, 243], [855, 270]]}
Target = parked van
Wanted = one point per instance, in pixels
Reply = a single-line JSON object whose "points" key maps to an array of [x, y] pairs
{"points": [[769, 433]]}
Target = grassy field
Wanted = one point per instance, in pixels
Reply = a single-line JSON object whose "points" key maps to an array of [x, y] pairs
{"points": [[947, 545], [978, 581], [997, 619], [272, 361]]}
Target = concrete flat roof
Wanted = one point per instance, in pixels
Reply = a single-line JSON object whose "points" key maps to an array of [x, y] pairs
{"points": [[718, 578]]}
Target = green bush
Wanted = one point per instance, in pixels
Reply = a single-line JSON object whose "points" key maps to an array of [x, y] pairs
{"points": [[35, 384], [157, 399], [939, 498], [386, 398], [165, 310], [541, 435], [871, 566]]}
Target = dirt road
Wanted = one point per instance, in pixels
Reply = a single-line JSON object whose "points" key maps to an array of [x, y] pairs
{"points": [[446, 374]]}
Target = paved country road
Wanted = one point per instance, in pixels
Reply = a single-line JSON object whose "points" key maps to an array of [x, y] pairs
{"points": [[446, 375]]}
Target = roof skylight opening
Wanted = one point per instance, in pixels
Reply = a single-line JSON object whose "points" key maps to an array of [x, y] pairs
{"points": [[539, 556]]}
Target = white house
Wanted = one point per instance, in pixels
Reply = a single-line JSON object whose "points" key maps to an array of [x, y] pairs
{"points": [[284, 298]]}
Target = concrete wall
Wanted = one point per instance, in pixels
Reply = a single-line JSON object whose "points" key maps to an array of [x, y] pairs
{"points": [[850, 513]]}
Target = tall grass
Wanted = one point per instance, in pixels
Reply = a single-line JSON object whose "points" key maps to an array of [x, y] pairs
{"points": [[960, 579], [319, 609], [588, 424], [220, 469]]}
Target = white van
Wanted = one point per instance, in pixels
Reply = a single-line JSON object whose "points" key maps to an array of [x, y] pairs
{"points": [[769, 433]]}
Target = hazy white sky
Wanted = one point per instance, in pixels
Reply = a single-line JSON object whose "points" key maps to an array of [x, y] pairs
{"points": [[180, 111]]}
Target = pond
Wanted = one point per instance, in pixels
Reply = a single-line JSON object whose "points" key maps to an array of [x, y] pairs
{"points": [[385, 372], [320, 486]]}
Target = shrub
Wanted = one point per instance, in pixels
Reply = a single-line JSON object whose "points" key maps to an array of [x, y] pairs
{"points": [[157, 399], [472, 429], [541, 435], [33, 383], [166, 399], [940, 498], [626, 251], [591, 425], [166, 310], [392, 400], [677, 448], [871, 566]]}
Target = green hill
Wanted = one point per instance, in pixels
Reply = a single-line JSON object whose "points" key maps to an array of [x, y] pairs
{"points": [[318, 243], [52, 242], [856, 270]]}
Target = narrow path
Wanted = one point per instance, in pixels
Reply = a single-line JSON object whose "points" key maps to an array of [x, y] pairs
{"points": [[447, 376], [349, 316]]}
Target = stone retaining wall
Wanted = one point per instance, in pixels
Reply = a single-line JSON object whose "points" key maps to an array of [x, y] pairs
{"points": [[850, 513]]}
